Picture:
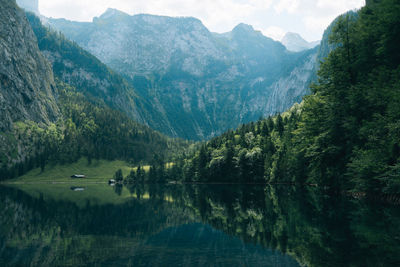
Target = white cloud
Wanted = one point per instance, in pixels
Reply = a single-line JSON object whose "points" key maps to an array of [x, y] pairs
{"points": [[290, 6], [317, 23], [274, 32], [340, 6], [329, 10]]}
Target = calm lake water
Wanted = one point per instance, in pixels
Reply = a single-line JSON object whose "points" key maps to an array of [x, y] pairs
{"points": [[192, 225]]}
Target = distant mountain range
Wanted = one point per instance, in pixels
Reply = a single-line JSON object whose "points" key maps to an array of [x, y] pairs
{"points": [[179, 78], [198, 83], [294, 42]]}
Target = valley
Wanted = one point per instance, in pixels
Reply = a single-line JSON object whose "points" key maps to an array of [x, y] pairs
{"points": [[196, 148], [198, 83]]}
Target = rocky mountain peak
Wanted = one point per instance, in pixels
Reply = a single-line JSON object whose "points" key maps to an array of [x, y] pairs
{"points": [[245, 30], [243, 27], [294, 42], [111, 13], [293, 36]]}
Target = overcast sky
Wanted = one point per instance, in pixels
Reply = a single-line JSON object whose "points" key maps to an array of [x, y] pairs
{"points": [[273, 17]]}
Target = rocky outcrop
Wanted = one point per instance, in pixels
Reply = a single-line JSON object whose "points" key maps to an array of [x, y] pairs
{"points": [[26, 79], [291, 88]]}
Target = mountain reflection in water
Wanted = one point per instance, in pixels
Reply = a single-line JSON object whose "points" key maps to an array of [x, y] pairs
{"points": [[193, 225]]}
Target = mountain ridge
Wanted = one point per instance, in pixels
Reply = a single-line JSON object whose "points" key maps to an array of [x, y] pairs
{"points": [[202, 82]]}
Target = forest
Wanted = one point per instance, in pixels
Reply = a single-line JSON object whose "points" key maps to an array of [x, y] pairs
{"points": [[87, 128], [344, 136]]}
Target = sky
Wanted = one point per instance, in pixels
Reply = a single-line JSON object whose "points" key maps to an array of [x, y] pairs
{"points": [[273, 18]]}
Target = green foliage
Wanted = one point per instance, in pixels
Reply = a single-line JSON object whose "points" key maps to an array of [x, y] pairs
{"points": [[251, 154], [88, 129], [345, 126], [67, 57], [106, 133]]}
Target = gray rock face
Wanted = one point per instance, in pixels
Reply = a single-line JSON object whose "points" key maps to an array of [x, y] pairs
{"points": [[198, 83], [291, 88], [29, 5], [294, 42], [80, 69], [146, 44], [26, 78]]}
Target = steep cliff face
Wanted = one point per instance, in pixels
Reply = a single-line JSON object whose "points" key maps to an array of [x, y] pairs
{"points": [[144, 44], [77, 67], [294, 86], [199, 83], [27, 90], [26, 78]]}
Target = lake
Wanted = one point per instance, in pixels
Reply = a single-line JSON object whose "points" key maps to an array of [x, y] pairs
{"points": [[193, 225]]}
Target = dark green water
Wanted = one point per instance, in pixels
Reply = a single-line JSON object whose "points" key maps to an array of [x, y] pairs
{"points": [[187, 225]]}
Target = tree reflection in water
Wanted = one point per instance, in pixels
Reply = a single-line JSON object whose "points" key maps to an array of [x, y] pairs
{"points": [[198, 225]]}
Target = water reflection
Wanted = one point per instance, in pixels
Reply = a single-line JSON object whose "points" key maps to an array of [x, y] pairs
{"points": [[188, 225]]}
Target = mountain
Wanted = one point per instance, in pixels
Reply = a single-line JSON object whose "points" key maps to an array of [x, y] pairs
{"points": [[27, 85], [44, 120], [342, 137], [198, 82], [294, 42], [29, 5], [27, 88], [77, 67]]}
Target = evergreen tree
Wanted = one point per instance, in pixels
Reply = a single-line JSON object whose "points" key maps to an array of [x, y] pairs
{"points": [[118, 176]]}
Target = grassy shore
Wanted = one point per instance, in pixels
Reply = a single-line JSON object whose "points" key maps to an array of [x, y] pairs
{"points": [[97, 171]]}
